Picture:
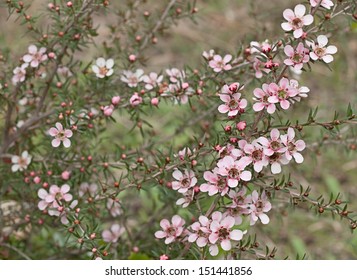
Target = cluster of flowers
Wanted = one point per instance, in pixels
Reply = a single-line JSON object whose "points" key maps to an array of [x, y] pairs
{"points": [[33, 58], [221, 228]]}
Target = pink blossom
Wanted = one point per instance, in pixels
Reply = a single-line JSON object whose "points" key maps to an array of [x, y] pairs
{"points": [[282, 93], [301, 91], [35, 57], [152, 80], [208, 55], [185, 180], [215, 183], [293, 147], [66, 175], [256, 155], [232, 88], [185, 152], [230, 150], [259, 68], [179, 93], [86, 188], [113, 234], [320, 50], [20, 163], [234, 170], [155, 101], [114, 207], [19, 74], [257, 207], [223, 233], [108, 110], [296, 20], [103, 68], [219, 64], [171, 231], [164, 257], [233, 104], [274, 145], [186, 199], [132, 79], [262, 99], [323, 3], [61, 135], [115, 100], [175, 75], [241, 125], [57, 194], [264, 47], [296, 58], [135, 99], [236, 208]]}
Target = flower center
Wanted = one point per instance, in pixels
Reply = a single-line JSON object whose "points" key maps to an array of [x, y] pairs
{"points": [[103, 71], [275, 145], [257, 155], [319, 52], [223, 233], [259, 205], [297, 23], [171, 231], [185, 182], [233, 173], [297, 57], [291, 146], [233, 104], [22, 162], [221, 183], [282, 94]]}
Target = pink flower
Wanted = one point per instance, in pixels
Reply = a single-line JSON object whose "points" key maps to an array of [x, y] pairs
{"points": [[185, 180], [61, 135], [262, 99], [256, 207], [108, 110], [297, 57], [171, 231], [103, 68], [241, 125], [155, 101], [132, 79], [223, 233], [112, 235], [20, 163], [256, 155], [215, 183], [219, 64], [114, 207], [233, 104], [152, 80], [66, 175], [296, 20], [19, 74], [200, 231], [323, 3], [234, 170], [208, 55], [179, 93], [293, 147], [282, 93], [35, 57], [230, 150], [320, 51], [164, 257], [187, 199], [175, 75], [274, 145], [57, 194], [259, 68], [135, 99], [115, 100], [236, 208], [90, 189], [301, 91], [232, 88]]}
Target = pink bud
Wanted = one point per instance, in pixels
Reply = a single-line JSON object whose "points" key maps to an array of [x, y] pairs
{"points": [[37, 180], [69, 4], [50, 5], [164, 257], [155, 101], [51, 55], [132, 57], [108, 110], [135, 99], [65, 175], [185, 85], [241, 125], [115, 100], [32, 173]]}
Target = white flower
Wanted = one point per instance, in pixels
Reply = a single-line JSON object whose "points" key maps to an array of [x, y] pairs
{"points": [[320, 50], [35, 57], [103, 68], [20, 163], [132, 79], [19, 74]]}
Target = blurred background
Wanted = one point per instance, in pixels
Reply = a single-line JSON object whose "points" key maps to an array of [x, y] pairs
{"points": [[224, 26]]}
